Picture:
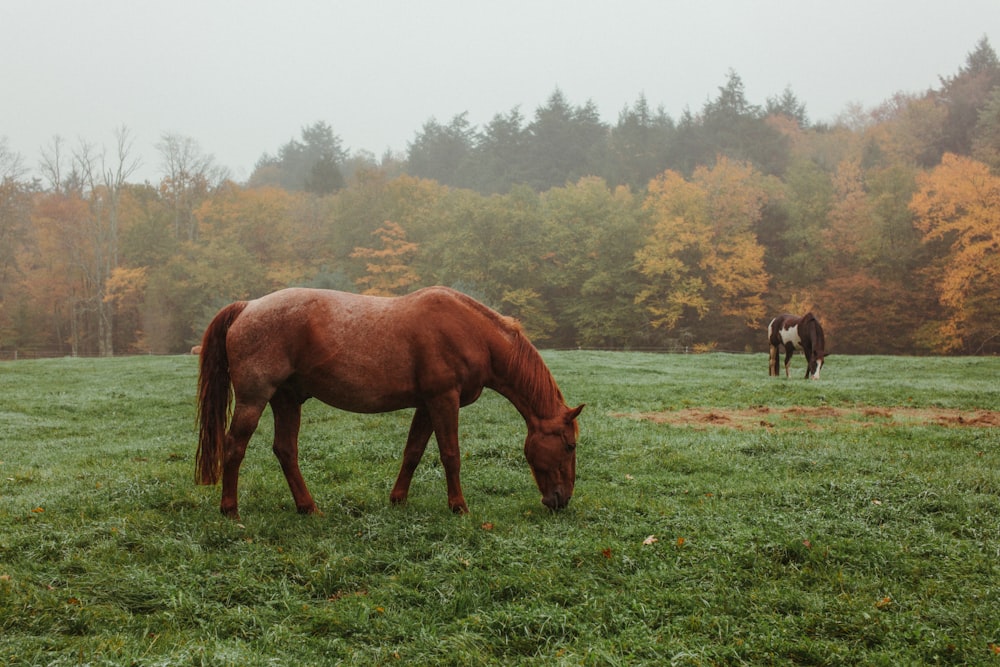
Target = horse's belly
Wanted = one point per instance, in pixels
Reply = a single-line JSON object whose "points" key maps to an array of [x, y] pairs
{"points": [[368, 397]]}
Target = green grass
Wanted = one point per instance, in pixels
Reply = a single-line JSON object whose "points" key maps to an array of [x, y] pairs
{"points": [[847, 543]]}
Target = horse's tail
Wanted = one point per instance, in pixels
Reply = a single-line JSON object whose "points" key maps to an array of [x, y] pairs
{"points": [[214, 395]]}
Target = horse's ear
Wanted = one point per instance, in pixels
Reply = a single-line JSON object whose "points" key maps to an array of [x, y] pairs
{"points": [[574, 413]]}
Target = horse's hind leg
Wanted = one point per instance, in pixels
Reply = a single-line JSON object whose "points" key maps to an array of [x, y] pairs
{"points": [[287, 418], [244, 423], [416, 443], [789, 351]]}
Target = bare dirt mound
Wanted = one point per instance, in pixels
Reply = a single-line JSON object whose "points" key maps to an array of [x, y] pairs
{"points": [[818, 417]]}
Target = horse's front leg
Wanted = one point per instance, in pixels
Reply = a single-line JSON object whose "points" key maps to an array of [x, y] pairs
{"points": [[244, 423], [789, 351], [287, 418], [416, 443], [444, 418]]}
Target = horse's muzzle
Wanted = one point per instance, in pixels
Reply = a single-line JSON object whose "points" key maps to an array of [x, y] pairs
{"points": [[556, 501]]}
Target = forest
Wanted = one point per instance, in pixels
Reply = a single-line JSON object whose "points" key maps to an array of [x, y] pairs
{"points": [[660, 233]]}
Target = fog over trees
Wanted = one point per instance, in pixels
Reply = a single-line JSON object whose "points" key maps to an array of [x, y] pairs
{"points": [[651, 232]]}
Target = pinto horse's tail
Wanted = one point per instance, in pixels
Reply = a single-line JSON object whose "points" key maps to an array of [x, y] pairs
{"points": [[214, 395]]}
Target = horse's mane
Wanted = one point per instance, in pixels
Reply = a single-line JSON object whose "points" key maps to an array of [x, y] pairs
{"points": [[530, 374], [523, 367]]}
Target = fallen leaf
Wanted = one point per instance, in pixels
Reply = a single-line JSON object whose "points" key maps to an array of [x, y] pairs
{"points": [[650, 540], [38, 510], [606, 553], [487, 526], [883, 603], [629, 477], [807, 544], [680, 542], [876, 501], [4, 577]]}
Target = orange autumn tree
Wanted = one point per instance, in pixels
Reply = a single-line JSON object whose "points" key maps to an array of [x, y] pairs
{"points": [[957, 209], [389, 270], [702, 257]]}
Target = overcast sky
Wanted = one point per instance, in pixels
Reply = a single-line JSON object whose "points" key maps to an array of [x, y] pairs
{"points": [[242, 77]]}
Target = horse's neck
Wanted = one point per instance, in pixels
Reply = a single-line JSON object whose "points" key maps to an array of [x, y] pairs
{"points": [[816, 337], [525, 381]]}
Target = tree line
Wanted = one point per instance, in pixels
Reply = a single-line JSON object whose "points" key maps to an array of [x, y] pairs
{"points": [[649, 233]]}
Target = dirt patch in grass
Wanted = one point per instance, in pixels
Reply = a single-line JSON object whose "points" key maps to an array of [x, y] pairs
{"points": [[818, 417]]}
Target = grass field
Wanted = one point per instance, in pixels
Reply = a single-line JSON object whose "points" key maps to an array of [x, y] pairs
{"points": [[720, 517]]}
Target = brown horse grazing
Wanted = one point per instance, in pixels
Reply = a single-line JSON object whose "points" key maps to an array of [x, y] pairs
{"points": [[797, 333], [434, 350]]}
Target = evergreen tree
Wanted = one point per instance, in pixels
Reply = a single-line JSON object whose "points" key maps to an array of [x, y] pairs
{"points": [[312, 164], [501, 153], [443, 152], [966, 94], [641, 143], [566, 143]]}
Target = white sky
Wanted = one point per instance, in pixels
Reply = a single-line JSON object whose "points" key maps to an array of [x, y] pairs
{"points": [[242, 77]]}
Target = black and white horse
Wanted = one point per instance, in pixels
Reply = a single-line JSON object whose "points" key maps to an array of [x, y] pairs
{"points": [[797, 333]]}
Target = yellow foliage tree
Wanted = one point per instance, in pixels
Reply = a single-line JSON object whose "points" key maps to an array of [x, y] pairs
{"points": [[703, 254], [957, 207], [125, 289]]}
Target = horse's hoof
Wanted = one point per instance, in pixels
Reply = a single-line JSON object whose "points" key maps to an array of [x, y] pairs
{"points": [[460, 509], [309, 509]]}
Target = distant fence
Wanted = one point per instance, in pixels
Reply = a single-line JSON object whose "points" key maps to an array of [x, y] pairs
{"points": [[56, 353], [53, 353], [43, 353]]}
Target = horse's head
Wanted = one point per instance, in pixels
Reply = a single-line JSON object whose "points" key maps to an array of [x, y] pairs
{"points": [[551, 452], [815, 365]]}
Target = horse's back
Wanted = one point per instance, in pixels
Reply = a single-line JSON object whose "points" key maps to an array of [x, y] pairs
{"points": [[363, 353]]}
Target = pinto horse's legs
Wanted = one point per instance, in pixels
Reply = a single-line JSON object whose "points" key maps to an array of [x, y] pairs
{"points": [[416, 443], [287, 417], [789, 351], [444, 417], [772, 365], [244, 423]]}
